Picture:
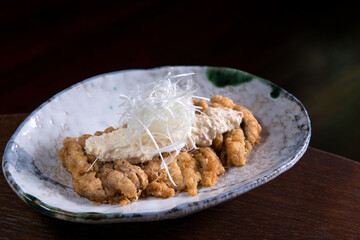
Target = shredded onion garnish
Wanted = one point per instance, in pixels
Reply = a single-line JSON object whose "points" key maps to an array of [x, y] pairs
{"points": [[160, 116]]}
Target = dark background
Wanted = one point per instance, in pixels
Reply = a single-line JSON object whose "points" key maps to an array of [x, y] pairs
{"points": [[311, 50]]}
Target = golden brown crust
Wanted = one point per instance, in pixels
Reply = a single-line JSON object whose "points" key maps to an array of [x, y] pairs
{"points": [[74, 160], [186, 170], [109, 182], [134, 173], [120, 182], [116, 182], [218, 101], [190, 171], [152, 168], [235, 147], [251, 126], [209, 165], [202, 103], [156, 173], [251, 131], [107, 130], [82, 139], [218, 144], [159, 189]]}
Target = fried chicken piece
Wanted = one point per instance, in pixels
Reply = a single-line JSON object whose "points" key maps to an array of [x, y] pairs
{"points": [[134, 173], [155, 173], [216, 105], [190, 171], [116, 182], [123, 182], [81, 140], [91, 158], [176, 176], [152, 168], [74, 160], [107, 130], [159, 189], [251, 126], [202, 103], [102, 173], [108, 182], [218, 101], [223, 156], [209, 165], [235, 147], [218, 144]]}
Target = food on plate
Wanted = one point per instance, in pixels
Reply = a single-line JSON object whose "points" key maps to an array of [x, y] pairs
{"points": [[169, 142]]}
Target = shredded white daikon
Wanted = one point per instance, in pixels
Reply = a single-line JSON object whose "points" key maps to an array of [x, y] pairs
{"points": [[160, 116]]}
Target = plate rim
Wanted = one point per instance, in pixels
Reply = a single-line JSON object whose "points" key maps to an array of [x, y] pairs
{"points": [[178, 210]]}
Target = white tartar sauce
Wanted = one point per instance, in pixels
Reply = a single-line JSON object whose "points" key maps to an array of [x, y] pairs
{"points": [[116, 145], [213, 122]]}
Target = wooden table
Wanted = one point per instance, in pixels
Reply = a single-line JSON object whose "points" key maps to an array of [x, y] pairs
{"points": [[319, 198]]}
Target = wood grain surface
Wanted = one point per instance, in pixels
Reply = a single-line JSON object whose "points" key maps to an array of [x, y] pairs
{"points": [[311, 50], [319, 198]]}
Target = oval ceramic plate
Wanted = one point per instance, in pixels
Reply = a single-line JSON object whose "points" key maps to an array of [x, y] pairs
{"points": [[33, 170]]}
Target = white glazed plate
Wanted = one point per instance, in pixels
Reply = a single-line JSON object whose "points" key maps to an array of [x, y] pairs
{"points": [[33, 169]]}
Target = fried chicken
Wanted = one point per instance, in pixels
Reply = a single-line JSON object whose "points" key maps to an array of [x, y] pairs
{"points": [[134, 173], [235, 144], [235, 147], [190, 171], [159, 189], [187, 171], [84, 183], [202, 103], [160, 181], [116, 184], [120, 182], [109, 182], [220, 101], [251, 128], [218, 144], [209, 165]]}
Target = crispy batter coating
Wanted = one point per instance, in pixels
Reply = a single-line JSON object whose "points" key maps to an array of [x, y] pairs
{"points": [[218, 144], [134, 173], [235, 147], [158, 175], [109, 182], [249, 125], [184, 172], [120, 182], [187, 171], [153, 168], [107, 130], [190, 171], [218, 101], [159, 189], [202, 103], [219, 147], [81, 140], [116, 182], [209, 165], [176, 176], [75, 161]]}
